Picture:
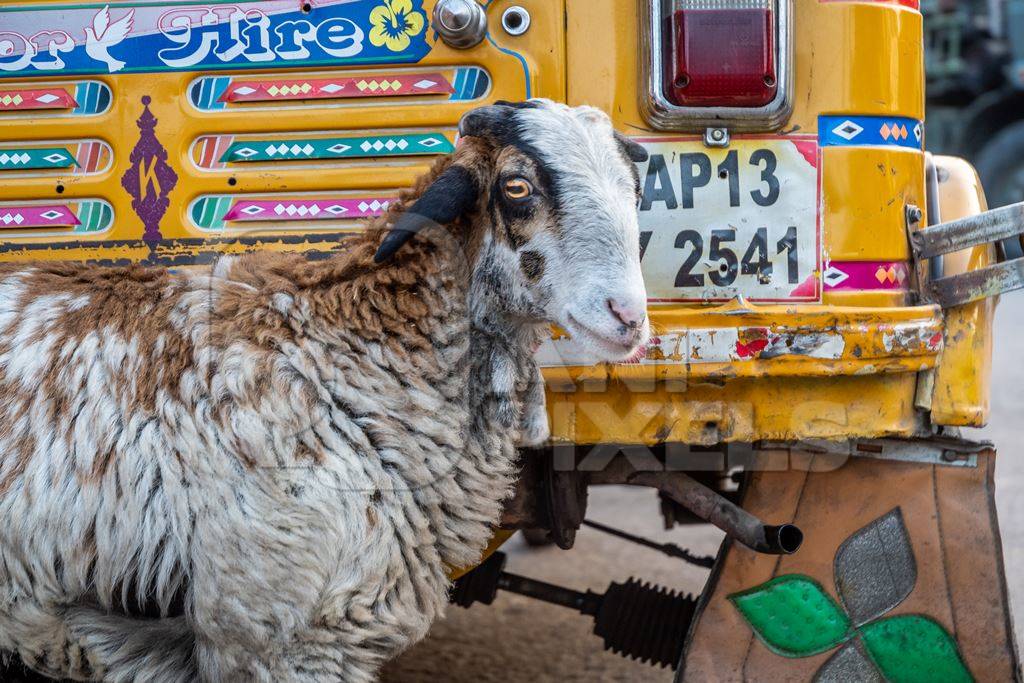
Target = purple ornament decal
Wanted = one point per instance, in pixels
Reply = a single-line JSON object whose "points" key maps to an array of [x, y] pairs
{"points": [[150, 178]]}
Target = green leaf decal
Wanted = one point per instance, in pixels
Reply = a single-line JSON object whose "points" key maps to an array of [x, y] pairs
{"points": [[793, 615], [914, 649]]}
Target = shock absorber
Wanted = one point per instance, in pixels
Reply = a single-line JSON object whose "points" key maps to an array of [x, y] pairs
{"points": [[637, 620]]}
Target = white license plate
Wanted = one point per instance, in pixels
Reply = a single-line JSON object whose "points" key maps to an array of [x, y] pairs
{"points": [[717, 223]]}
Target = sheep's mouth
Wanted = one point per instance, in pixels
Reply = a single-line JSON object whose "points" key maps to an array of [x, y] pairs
{"points": [[611, 349]]}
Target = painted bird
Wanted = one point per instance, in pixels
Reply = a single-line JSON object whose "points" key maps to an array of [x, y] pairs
{"points": [[103, 35]]}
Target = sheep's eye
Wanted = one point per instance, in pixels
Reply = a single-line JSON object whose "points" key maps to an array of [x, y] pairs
{"points": [[517, 188]]}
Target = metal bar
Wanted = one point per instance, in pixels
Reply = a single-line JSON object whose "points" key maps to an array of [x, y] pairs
{"points": [[586, 603], [670, 549], [727, 516], [941, 450], [935, 265], [990, 226], [974, 285]]}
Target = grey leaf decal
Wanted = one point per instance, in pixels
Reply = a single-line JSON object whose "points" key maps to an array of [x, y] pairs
{"points": [[875, 568], [849, 665]]}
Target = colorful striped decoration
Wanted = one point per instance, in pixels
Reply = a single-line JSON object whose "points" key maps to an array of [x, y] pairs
{"points": [[36, 98], [93, 157], [861, 275], [207, 213], [337, 88], [36, 158], [37, 216], [93, 98], [209, 150], [887, 131], [254, 210], [94, 216], [205, 93], [470, 83], [215, 93], [401, 144]]}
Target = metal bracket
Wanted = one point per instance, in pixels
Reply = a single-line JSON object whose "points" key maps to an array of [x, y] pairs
{"points": [[716, 137], [956, 290], [949, 451]]}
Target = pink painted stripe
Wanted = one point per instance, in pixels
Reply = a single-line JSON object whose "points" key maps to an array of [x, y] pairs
{"points": [[250, 210], [48, 216], [378, 85], [849, 275], [43, 98]]}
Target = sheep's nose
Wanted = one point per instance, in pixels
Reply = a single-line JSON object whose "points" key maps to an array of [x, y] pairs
{"points": [[630, 315]]}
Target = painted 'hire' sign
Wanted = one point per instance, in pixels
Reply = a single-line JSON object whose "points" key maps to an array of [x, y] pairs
{"points": [[134, 37]]}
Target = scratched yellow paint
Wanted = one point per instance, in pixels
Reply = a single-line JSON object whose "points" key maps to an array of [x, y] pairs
{"points": [[963, 378], [851, 58], [865, 192]]}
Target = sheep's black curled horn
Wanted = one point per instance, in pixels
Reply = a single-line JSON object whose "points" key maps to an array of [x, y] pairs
{"points": [[451, 195], [634, 150]]}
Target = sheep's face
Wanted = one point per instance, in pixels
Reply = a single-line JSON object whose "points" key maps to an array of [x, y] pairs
{"points": [[552, 191]]}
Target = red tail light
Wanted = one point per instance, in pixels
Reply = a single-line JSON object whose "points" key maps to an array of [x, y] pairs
{"points": [[721, 53]]}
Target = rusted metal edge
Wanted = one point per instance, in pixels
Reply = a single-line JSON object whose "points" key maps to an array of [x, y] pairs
{"points": [[946, 451], [974, 285], [990, 226]]}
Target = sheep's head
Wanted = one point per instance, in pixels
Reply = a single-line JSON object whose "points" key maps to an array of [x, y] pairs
{"points": [[551, 192]]}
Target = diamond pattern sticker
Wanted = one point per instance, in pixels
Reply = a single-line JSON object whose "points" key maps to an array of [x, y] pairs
{"points": [[49, 157], [433, 83], [845, 131], [45, 98], [338, 148], [867, 275], [251, 210], [37, 216], [848, 130]]}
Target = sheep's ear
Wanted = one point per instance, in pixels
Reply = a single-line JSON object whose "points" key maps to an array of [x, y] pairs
{"points": [[452, 194], [634, 150]]}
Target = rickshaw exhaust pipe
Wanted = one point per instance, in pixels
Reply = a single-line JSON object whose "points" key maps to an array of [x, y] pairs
{"points": [[739, 524]]}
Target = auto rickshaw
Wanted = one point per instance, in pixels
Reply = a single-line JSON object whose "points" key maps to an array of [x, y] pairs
{"points": [[822, 289]]}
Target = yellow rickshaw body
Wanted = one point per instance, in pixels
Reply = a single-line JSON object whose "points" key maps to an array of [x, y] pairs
{"points": [[884, 364]]}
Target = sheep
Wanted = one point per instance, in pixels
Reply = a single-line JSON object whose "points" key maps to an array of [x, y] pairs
{"points": [[261, 470]]}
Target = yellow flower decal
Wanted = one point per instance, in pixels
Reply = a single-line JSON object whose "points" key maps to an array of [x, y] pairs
{"points": [[394, 23]]}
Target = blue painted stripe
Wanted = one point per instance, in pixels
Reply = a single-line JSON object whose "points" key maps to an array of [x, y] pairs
{"points": [[458, 82], [483, 82], [202, 101], [860, 131], [220, 84], [471, 80], [92, 97], [522, 60], [205, 93], [82, 97], [103, 98], [89, 97]]}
